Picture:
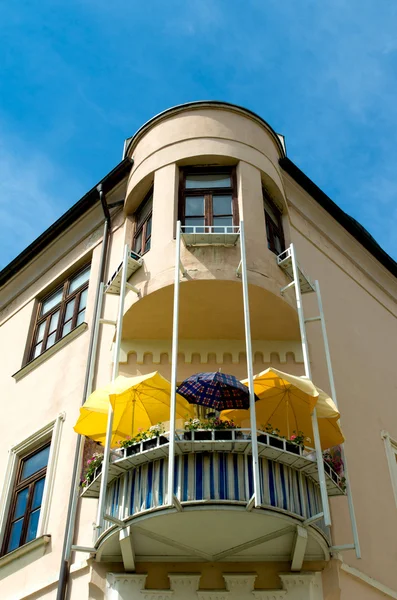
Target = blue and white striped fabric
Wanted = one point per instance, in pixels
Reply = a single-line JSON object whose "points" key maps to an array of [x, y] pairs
{"points": [[215, 476]]}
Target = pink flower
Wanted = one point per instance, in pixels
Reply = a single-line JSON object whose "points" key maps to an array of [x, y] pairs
{"points": [[292, 437]]}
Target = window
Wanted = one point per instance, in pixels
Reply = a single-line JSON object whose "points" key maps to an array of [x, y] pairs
{"points": [[274, 227], [27, 489], [208, 198], [60, 312], [26, 499], [143, 225]]}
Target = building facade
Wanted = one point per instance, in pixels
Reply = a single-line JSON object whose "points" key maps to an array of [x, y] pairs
{"points": [[209, 166]]}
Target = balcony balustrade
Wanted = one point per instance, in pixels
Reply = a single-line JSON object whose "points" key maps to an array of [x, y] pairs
{"points": [[213, 471]]}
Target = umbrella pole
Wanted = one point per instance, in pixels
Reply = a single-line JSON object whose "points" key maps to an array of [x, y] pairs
{"points": [[248, 345], [305, 351], [115, 372], [174, 365]]}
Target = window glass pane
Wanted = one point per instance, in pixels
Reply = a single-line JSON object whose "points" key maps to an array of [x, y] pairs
{"points": [[54, 322], [67, 328], [69, 310], [15, 535], [147, 245], [149, 228], [32, 526], [38, 493], [222, 205], [35, 463], [40, 332], [37, 350], [143, 211], [83, 299], [138, 243], [277, 244], [50, 340], [194, 206], [272, 211], [80, 319], [20, 505], [197, 221], [208, 180], [79, 280], [52, 301], [223, 222]]}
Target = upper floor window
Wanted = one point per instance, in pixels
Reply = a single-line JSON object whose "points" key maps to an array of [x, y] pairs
{"points": [[274, 226], [60, 312], [208, 197], [143, 225], [26, 499]]}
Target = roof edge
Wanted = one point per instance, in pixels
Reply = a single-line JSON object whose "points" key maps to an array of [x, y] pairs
{"points": [[349, 223], [110, 180], [196, 105]]}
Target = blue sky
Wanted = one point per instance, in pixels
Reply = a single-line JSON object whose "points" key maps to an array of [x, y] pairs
{"points": [[78, 77]]}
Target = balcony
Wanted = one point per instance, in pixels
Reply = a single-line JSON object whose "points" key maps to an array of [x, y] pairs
{"points": [[213, 493]]}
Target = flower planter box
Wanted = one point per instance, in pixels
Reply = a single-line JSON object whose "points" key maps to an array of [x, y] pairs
{"points": [[294, 448], [262, 438], [223, 434], [276, 442], [134, 449], [152, 443], [97, 471], [201, 435]]}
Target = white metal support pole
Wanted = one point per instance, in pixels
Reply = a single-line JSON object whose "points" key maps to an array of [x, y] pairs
{"points": [[174, 365], [334, 397], [115, 372], [89, 390], [248, 346], [95, 341], [305, 350]]}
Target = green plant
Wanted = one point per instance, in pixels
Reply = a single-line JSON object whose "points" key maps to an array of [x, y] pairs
{"points": [[334, 461], [268, 428], [147, 434], [297, 437], [212, 423], [92, 464], [193, 424]]}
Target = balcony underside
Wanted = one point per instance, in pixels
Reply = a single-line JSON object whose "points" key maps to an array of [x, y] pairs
{"points": [[211, 309], [215, 532]]}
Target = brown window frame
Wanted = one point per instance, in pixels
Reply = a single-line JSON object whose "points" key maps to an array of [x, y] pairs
{"points": [[273, 230], [143, 226], [18, 486], [208, 193], [61, 307]]}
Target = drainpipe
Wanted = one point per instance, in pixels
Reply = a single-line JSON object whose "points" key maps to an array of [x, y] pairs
{"points": [[74, 488]]}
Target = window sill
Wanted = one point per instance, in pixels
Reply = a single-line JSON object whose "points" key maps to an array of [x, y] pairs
{"points": [[22, 550], [30, 366]]}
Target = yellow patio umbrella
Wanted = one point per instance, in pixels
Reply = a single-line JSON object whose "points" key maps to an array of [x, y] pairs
{"points": [[138, 403], [287, 402]]}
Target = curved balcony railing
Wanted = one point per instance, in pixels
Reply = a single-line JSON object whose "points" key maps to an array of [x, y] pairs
{"points": [[214, 467]]}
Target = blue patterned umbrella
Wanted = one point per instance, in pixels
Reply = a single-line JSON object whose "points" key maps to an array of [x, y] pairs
{"points": [[215, 390]]}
